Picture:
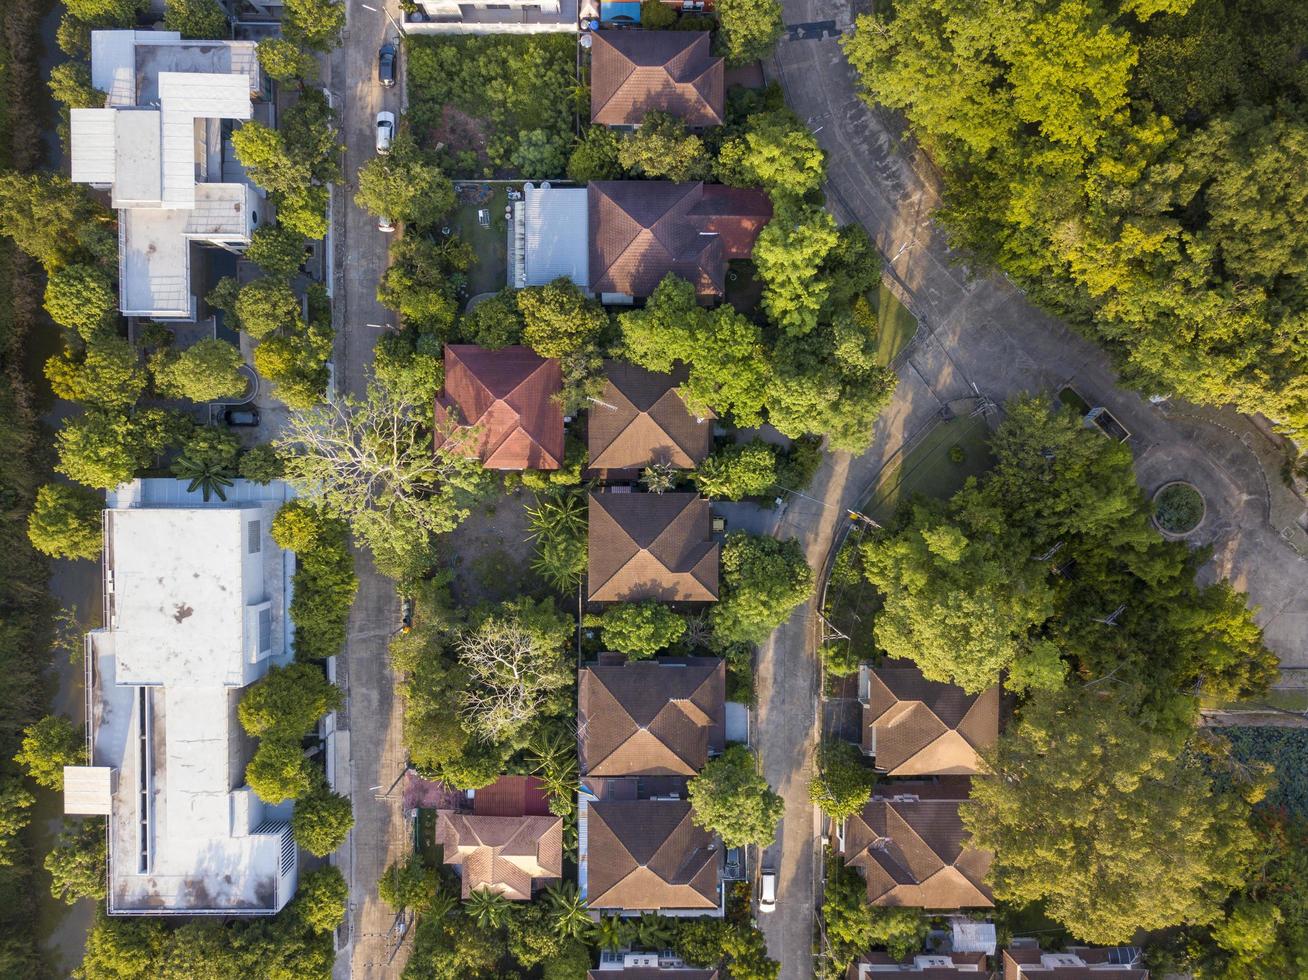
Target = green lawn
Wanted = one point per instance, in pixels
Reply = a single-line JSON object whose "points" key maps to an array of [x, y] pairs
{"points": [[926, 470], [488, 274], [895, 325]]}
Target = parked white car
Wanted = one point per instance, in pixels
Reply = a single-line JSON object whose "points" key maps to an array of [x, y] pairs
{"points": [[767, 892], [385, 131], [385, 224]]}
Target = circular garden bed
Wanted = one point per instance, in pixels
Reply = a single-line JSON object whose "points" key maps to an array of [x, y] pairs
{"points": [[1178, 508]]}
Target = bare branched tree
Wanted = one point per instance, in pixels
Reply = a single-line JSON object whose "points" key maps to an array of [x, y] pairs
{"points": [[512, 674], [373, 463]]}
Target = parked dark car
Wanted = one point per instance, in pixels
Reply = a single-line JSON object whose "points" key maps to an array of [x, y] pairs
{"points": [[241, 416], [386, 64]]}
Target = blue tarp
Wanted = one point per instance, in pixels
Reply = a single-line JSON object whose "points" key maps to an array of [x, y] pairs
{"points": [[622, 12]]}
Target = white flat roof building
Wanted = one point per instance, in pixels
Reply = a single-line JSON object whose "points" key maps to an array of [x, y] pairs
{"points": [[503, 17], [556, 236], [195, 601], [158, 148]]}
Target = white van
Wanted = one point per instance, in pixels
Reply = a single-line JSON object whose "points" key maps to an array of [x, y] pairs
{"points": [[767, 895]]}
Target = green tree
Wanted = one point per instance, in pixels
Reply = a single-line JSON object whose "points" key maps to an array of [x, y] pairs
{"points": [[404, 185], [207, 370], [572, 962], [797, 240], [1113, 827], [267, 305], [655, 15], [423, 280], [106, 13], [208, 461], [322, 820], [489, 909], [408, 885], [852, 925], [731, 799], [320, 899], [77, 862], [287, 701], [568, 910], [738, 470], [200, 19], [639, 629], [48, 746], [539, 155], [662, 148], [749, 29], [55, 221], [277, 250], [65, 522], [495, 322], [81, 297], [264, 154], [775, 151], [316, 24], [559, 320], [304, 210], [296, 364], [595, 156], [279, 771], [70, 85], [763, 579], [842, 782], [283, 60], [104, 372], [103, 449], [261, 463]]}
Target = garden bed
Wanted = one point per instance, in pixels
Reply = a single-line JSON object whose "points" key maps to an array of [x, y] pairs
{"points": [[1178, 508], [495, 105]]}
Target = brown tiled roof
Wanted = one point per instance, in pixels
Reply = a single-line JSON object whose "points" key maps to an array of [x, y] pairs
{"points": [[917, 727], [962, 965], [648, 854], [652, 973], [512, 796], [1023, 963], [651, 546], [640, 419], [502, 854], [508, 396], [914, 852], [651, 717], [633, 73], [641, 230]]}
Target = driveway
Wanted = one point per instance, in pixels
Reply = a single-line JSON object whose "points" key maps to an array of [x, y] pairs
{"points": [[370, 754], [977, 333]]}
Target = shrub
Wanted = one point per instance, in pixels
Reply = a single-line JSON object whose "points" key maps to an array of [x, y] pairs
{"points": [[279, 771], [65, 522], [48, 746], [656, 15], [299, 526], [261, 463], [1179, 508], [322, 820], [738, 470]]}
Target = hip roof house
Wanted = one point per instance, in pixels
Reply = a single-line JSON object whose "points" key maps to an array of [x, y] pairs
{"points": [[640, 420], [651, 546], [500, 405], [642, 230], [917, 727], [637, 72], [159, 146], [651, 717], [195, 600]]}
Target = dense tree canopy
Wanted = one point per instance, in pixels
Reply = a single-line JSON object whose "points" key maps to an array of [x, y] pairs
{"points": [[731, 799], [749, 28], [48, 746], [662, 148], [763, 579], [404, 185], [65, 522], [1135, 167], [639, 629], [200, 19]]}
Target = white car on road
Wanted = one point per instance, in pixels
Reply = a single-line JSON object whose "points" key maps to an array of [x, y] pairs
{"points": [[385, 131], [767, 892]]}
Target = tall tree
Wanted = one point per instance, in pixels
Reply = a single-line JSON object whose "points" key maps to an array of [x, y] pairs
{"points": [[731, 799]]}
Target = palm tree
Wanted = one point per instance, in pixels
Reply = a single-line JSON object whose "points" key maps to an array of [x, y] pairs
{"points": [[571, 917], [659, 477], [441, 904], [612, 932], [653, 931], [556, 765], [488, 909], [559, 514], [210, 476]]}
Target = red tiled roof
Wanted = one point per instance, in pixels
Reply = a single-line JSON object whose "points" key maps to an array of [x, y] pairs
{"points": [[637, 72], [507, 397], [641, 230], [512, 796]]}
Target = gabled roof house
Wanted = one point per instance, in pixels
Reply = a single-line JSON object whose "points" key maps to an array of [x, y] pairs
{"points": [[912, 848], [160, 148], [195, 610], [917, 727], [634, 73], [651, 546], [501, 406], [640, 420], [642, 230], [651, 717]]}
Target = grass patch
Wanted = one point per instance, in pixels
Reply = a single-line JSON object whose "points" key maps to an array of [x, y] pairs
{"points": [[489, 273], [495, 105], [896, 326], [428, 849], [937, 466], [1287, 750]]}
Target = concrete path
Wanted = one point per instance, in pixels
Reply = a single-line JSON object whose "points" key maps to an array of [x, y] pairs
{"points": [[370, 753], [976, 330]]}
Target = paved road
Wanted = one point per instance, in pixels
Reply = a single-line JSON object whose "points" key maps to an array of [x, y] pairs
{"points": [[369, 750], [975, 330]]}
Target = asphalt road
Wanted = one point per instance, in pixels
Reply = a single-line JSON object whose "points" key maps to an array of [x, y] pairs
{"points": [[370, 755], [975, 330]]}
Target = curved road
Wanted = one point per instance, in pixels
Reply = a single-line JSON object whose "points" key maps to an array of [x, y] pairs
{"points": [[974, 330]]}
